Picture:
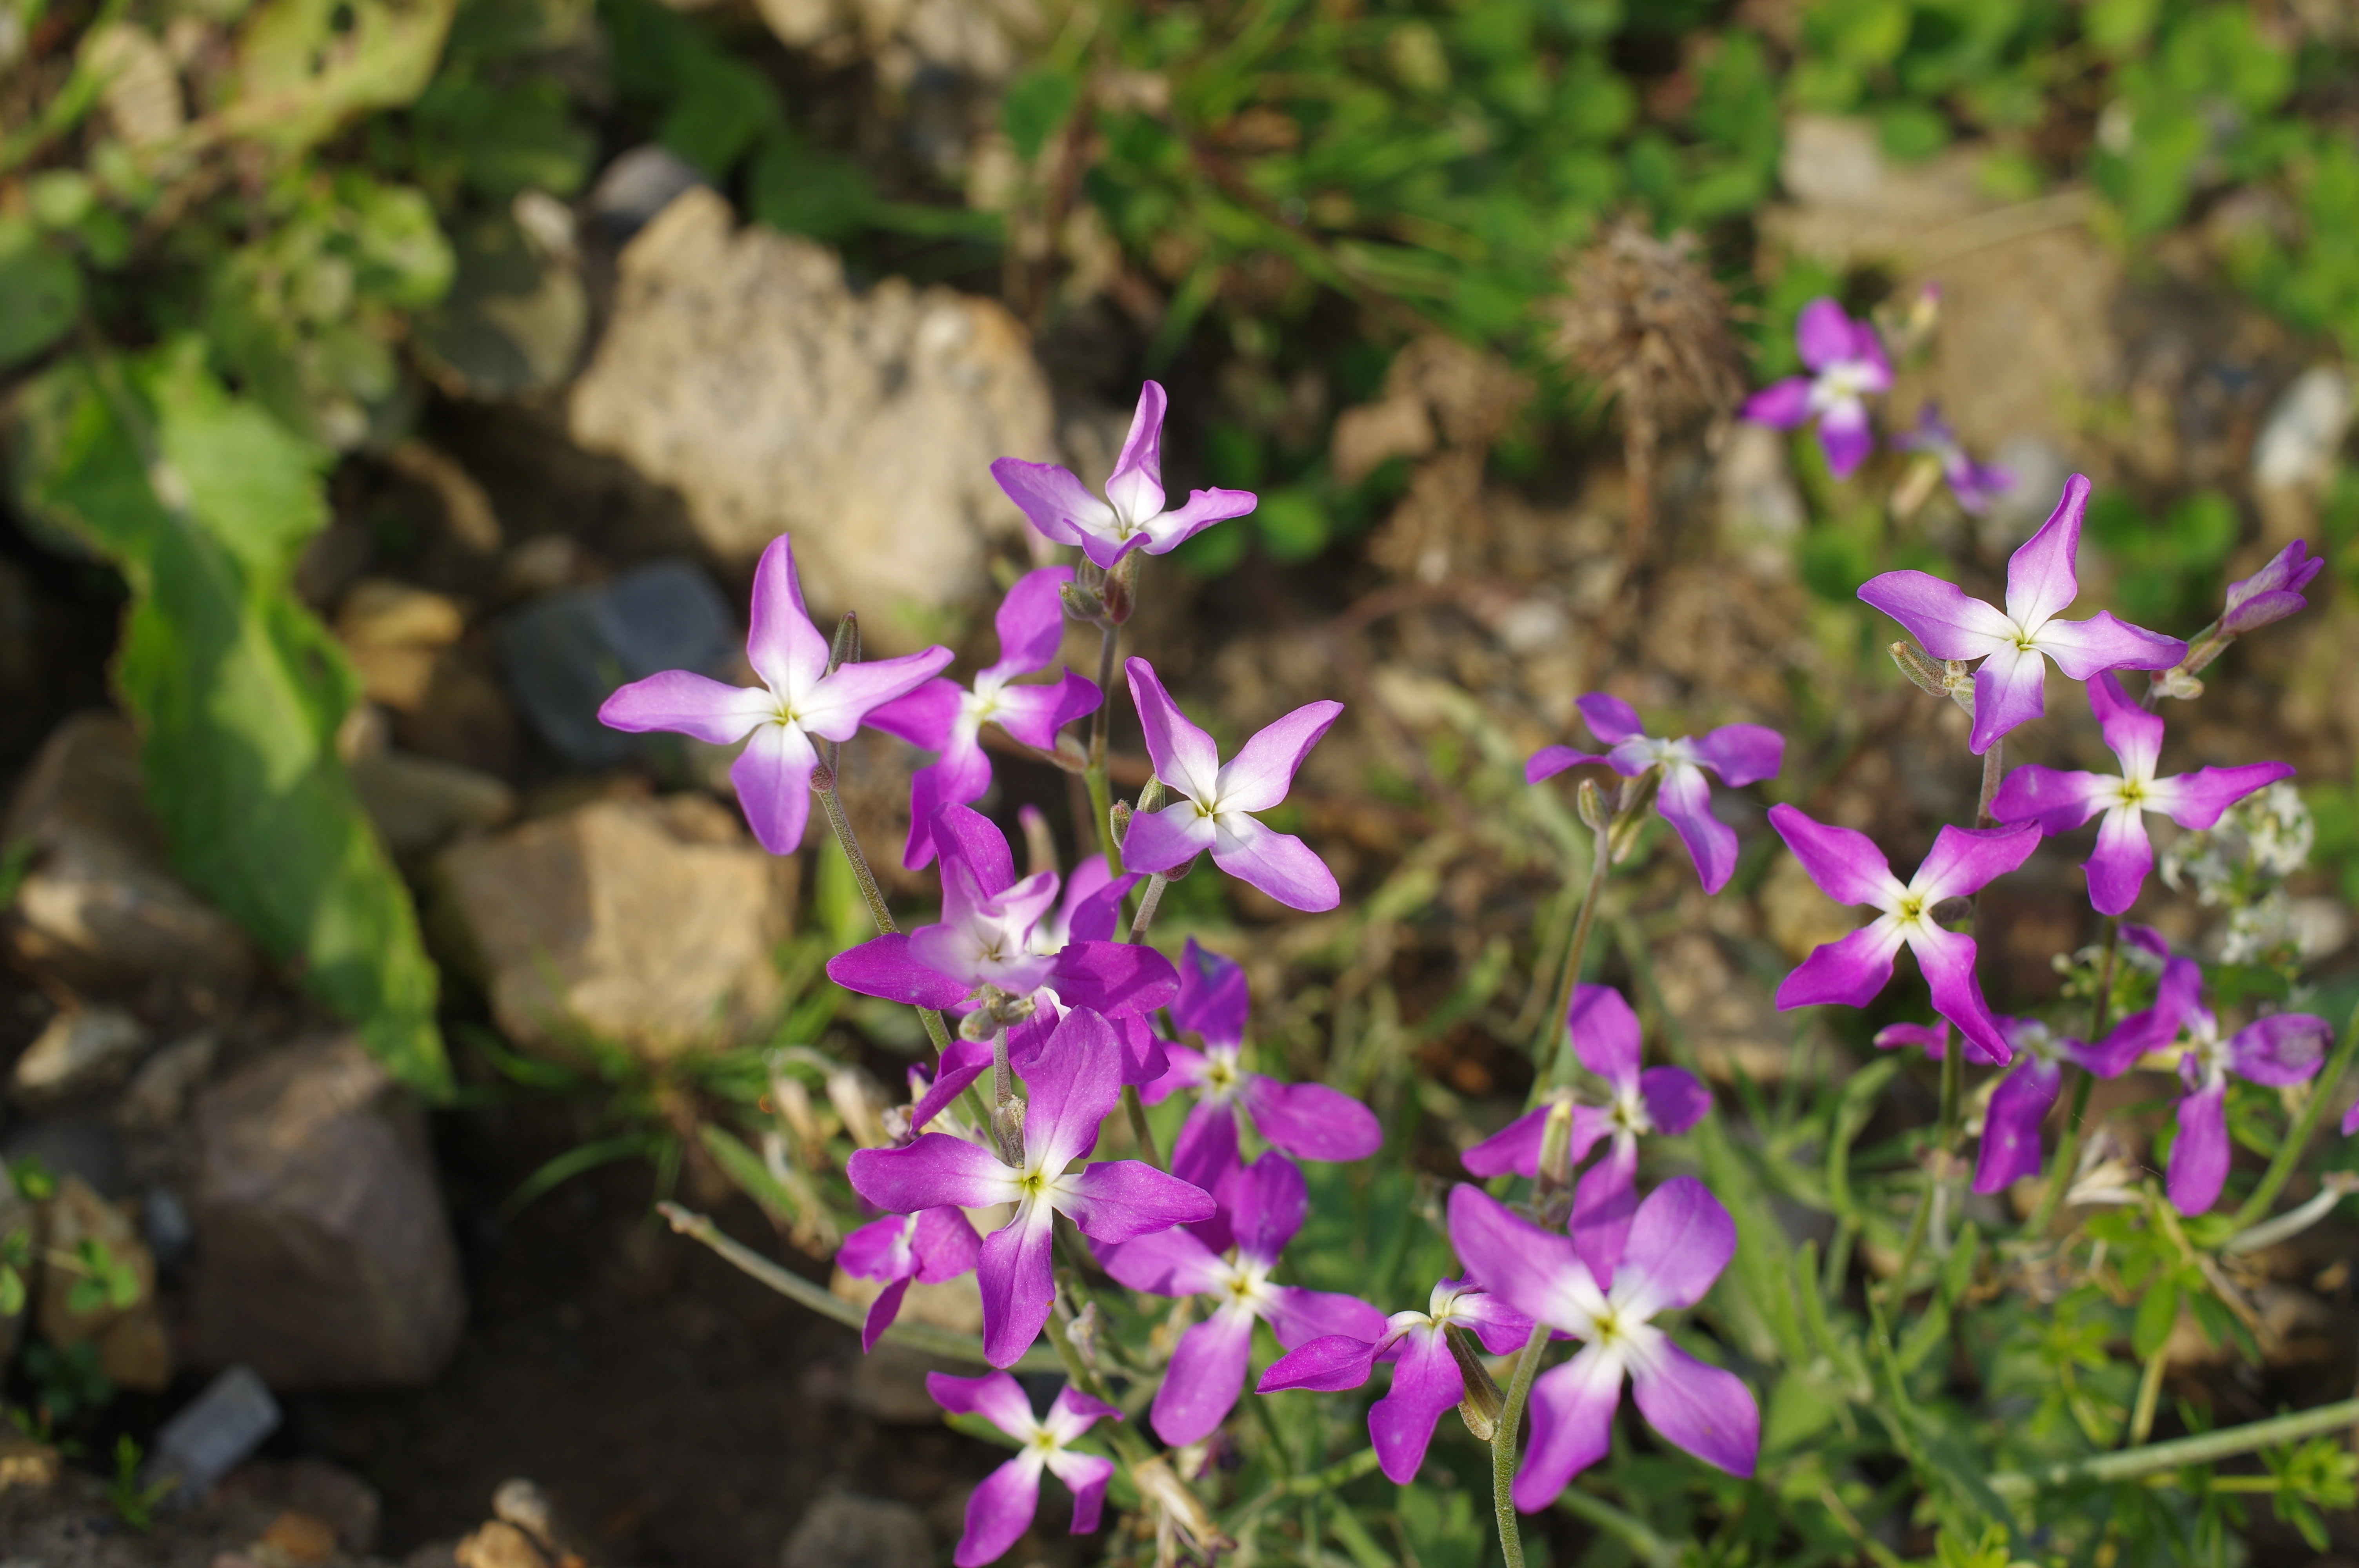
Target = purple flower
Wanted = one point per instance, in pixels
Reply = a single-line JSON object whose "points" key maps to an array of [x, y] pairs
{"points": [[1974, 484], [1001, 1509], [1606, 1037], [1426, 1380], [2271, 593], [1073, 1083], [1132, 515], [1850, 869], [928, 1247], [1933, 1038], [1309, 1121], [1216, 798], [2281, 1049], [2016, 644], [1740, 753], [797, 700], [1846, 362], [2059, 801], [1680, 1242], [2010, 1149], [987, 936], [940, 716], [1265, 1202]]}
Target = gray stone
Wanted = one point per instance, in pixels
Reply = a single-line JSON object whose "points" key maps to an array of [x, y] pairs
{"points": [[1761, 511], [420, 803], [323, 1258], [563, 655], [2297, 447], [213, 1433], [158, 1093], [100, 910], [741, 370], [844, 1531], [650, 924], [636, 185], [516, 312], [84, 1048]]}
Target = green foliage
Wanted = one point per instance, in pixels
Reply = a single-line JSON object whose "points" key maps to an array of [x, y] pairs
{"points": [[2168, 568], [132, 1500], [203, 499]]}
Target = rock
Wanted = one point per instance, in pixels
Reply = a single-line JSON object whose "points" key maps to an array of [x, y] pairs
{"points": [[523, 1504], [25, 1466], [625, 918], [564, 653], [841, 1531], [213, 1433], [129, 1339], [419, 803], [2296, 448], [1761, 511], [516, 312], [394, 634], [324, 1257], [158, 1093], [499, 1544], [636, 185], [740, 369], [84, 1048], [100, 910]]}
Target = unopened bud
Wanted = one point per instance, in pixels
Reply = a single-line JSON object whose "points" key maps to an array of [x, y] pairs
{"points": [[1482, 1403], [1118, 816], [1081, 603], [1150, 797], [1556, 1145], [1083, 1334], [1179, 871], [978, 1026], [1590, 802], [1007, 1131], [1924, 670], [1070, 755], [1121, 589], [845, 649], [2178, 683], [1630, 812]]}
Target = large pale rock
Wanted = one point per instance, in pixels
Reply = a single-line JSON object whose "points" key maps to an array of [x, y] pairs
{"points": [[741, 370], [100, 910], [648, 922], [323, 1256]]}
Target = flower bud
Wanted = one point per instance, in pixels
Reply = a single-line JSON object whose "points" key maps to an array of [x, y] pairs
{"points": [[1590, 802], [978, 1026], [1007, 1131], [845, 649], [1121, 588], [1924, 670], [1081, 603], [1151, 799], [1482, 1403], [2178, 683], [1119, 821], [2273, 592]]}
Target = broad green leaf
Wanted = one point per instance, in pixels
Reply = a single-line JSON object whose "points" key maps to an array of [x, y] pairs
{"points": [[40, 292], [203, 501], [1035, 108], [306, 67], [2157, 1311]]}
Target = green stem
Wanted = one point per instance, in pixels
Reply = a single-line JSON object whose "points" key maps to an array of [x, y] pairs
{"points": [[2201, 1449], [1096, 776], [1150, 899], [1503, 1447], [1548, 1046], [2149, 1393], [2297, 1138], [1627, 1528]]}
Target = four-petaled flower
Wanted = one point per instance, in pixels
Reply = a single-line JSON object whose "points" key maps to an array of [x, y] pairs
{"points": [[1132, 515], [1266, 1203], [1974, 484], [2016, 644], [798, 699], [1309, 1121], [1670, 1100], [942, 716], [1216, 798], [1001, 1509], [1850, 869], [2273, 592], [1740, 753], [1846, 363], [1680, 1242], [928, 1246], [2281, 1049], [2059, 801], [1073, 1083], [2023, 1098], [1426, 1378]]}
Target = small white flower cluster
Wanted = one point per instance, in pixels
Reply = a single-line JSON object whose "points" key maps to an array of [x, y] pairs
{"points": [[2242, 863]]}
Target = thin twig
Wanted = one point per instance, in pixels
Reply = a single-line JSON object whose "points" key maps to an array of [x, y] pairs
{"points": [[2201, 1449]]}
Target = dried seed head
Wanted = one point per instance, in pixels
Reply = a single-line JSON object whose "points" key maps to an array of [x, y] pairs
{"points": [[1643, 320]]}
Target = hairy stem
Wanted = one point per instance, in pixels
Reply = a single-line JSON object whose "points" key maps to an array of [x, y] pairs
{"points": [[2204, 1448], [1101, 785], [1549, 1046], [1150, 899], [1994, 765], [2297, 1138], [1503, 1447]]}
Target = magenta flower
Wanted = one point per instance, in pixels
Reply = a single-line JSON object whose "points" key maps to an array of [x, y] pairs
{"points": [[1850, 869], [1132, 515], [2272, 593], [986, 938], [1001, 1509], [1932, 1038], [1680, 1242], [2010, 1149], [1670, 1100], [2281, 1049], [1426, 1380], [940, 716], [1216, 798], [2016, 644], [1266, 1203], [1073, 1083], [2059, 801], [797, 698], [1309, 1121], [1740, 753], [1846, 363], [928, 1246], [1974, 484]]}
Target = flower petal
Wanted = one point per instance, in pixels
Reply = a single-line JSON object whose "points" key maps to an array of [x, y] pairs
{"points": [[785, 649], [1822, 333], [1059, 505], [1213, 1000], [1573, 1411], [1206, 1150], [1604, 1033], [1967, 860], [1164, 1264], [2010, 1149], [1609, 717], [1031, 622], [1167, 840], [1261, 772], [2040, 580], [1933, 1039], [934, 1171], [1312, 1122], [1782, 403], [1675, 1099], [1185, 757], [1278, 863], [772, 777], [1328, 1365], [1299, 1316], [1074, 1082], [1169, 530], [882, 1312], [1514, 1150], [1074, 1413], [2196, 800], [1850, 972], [961, 777], [1685, 801], [2282, 1049], [2132, 733], [999, 1511], [1604, 1201], [1945, 622], [2125, 855], [2082, 648], [1846, 865], [925, 716], [1206, 1374], [974, 842], [1017, 1284], [1267, 1203], [1679, 1241], [1845, 437], [1116, 1200], [2010, 689], [1948, 960], [1034, 714], [1113, 977], [884, 967], [963, 1061], [1702, 1409], [1550, 760], [1143, 1059], [996, 1397], [833, 709], [2199, 1155], [1742, 753], [2057, 801], [1499, 1326], [945, 1244], [881, 1249], [1085, 1475], [1135, 486], [1532, 1270], [686, 703], [1426, 1385]]}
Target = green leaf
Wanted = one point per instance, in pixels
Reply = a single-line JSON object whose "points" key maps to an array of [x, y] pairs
{"points": [[1036, 106], [2158, 1310], [203, 501], [305, 67], [1293, 525], [40, 292]]}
